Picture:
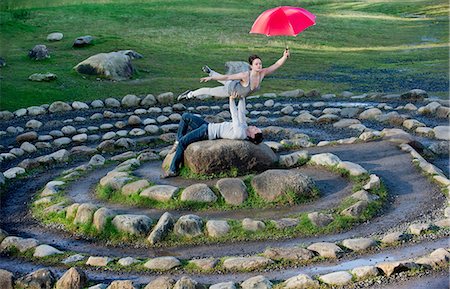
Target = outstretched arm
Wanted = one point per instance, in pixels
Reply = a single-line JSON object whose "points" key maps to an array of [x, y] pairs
{"points": [[277, 64], [236, 76], [241, 110]]}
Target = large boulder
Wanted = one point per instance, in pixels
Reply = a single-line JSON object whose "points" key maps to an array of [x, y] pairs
{"points": [[281, 183], [113, 65], [218, 156]]}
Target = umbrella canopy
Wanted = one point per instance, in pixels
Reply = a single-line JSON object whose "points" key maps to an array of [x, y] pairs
{"points": [[283, 20]]}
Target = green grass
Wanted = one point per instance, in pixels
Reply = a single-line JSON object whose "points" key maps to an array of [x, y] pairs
{"points": [[178, 37]]}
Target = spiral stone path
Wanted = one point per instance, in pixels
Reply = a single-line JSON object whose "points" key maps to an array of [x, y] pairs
{"points": [[357, 199]]}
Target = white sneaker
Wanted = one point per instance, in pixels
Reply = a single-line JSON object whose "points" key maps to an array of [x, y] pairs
{"points": [[185, 95]]}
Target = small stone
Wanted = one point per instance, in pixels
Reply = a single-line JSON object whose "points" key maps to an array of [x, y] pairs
{"points": [[198, 193], [163, 282], [257, 282], [337, 278], [365, 272], [223, 285], [162, 263], [293, 254], [252, 225], [127, 261], [418, 229], [205, 264], [359, 244], [45, 250], [73, 259], [98, 261], [160, 192], [74, 278], [320, 219], [327, 250], [300, 281], [355, 210], [217, 228], [246, 263]]}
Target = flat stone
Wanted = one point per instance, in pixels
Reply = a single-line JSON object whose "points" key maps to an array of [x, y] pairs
{"points": [[355, 210], [370, 113], [359, 244], [412, 124], [325, 159], [292, 254], [246, 263], [343, 123], [305, 117], [252, 225], [98, 261], [217, 228], [198, 193], [327, 250], [285, 223], [45, 250], [73, 259], [233, 190], [300, 281], [337, 278], [363, 195], [132, 224], [160, 192], [205, 264], [134, 187], [257, 282], [162, 263], [365, 272], [293, 159], [13, 172], [352, 168]]}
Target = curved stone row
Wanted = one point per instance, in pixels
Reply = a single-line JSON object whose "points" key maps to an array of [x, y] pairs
{"points": [[189, 226], [439, 258]]}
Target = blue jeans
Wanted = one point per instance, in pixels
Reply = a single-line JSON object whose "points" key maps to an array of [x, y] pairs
{"points": [[191, 129]]}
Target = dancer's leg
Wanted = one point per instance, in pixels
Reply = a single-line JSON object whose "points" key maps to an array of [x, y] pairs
{"points": [[213, 73], [219, 91], [188, 120]]}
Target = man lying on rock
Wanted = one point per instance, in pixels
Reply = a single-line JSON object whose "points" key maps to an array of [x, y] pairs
{"points": [[193, 129]]}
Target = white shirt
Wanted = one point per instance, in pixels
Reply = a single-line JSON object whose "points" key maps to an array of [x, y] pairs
{"points": [[236, 129]]}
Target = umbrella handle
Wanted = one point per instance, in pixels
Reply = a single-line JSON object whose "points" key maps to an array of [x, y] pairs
{"points": [[286, 49]]}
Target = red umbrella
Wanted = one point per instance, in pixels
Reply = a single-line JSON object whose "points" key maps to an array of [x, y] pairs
{"points": [[283, 20]]}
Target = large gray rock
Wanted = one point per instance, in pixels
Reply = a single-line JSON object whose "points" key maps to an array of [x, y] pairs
{"points": [[198, 193], [189, 226], [113, 65], [132, 224], [162, 263], [281, 183], [74, 278], [219, 156], [293, 254], [233, 190], [39, 279], [246, 263], [39, 52], [162, 228]]}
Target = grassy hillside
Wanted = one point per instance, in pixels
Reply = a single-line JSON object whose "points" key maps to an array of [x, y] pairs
{"points": [[361, 46]]}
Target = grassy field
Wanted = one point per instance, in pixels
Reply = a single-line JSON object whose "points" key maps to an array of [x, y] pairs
{"points": [[361, 46]]}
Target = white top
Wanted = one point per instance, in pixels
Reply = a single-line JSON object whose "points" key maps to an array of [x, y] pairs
{"points": [[236, 129]]}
